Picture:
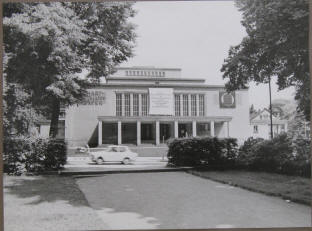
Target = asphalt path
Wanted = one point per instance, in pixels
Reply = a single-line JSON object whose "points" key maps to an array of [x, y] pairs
{"points": [[180, 200]]}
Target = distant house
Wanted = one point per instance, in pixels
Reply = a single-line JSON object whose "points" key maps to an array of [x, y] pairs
{"points": [[261, 126]]}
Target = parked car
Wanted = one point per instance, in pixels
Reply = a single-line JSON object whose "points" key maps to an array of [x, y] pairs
{"points": [[113, 153]]}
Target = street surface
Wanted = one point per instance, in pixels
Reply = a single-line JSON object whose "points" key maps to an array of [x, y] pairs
{"points": [[180, 200]]}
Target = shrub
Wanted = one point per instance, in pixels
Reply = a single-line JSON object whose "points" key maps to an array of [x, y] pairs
{"points": [[55, 155], [280, 155], [24, 154], [204, 151]]}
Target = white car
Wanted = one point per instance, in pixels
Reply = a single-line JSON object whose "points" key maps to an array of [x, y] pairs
{"points": [[113, 153]]}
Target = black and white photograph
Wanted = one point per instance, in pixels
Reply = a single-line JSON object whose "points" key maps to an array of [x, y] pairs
{"points": [[156, 115]]}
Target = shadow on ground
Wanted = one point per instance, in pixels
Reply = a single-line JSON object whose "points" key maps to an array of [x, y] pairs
{"points": [[45, 189]]}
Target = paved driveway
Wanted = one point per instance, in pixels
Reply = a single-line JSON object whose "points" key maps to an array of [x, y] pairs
{"points": [[181, 200]]}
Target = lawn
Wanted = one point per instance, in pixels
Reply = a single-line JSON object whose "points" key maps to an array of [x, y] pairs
{"points": [[293, 188], [46, 203]]}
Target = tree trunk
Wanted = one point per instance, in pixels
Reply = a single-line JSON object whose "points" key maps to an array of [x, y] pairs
{"points": [[54, 118]]}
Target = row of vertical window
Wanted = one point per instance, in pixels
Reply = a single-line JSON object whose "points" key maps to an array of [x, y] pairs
{"points": [[146, 73], [180, 102], [135, 105], [183, 101]]}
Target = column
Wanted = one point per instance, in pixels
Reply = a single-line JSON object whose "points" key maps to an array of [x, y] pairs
{"points": [[157, 133], [194, 131], [100, 133], [131, 104], [176, 129], [123, 104], [227, 129], [197, 105], [119, 132], [212, 129], [138, 132], [140, 104]]}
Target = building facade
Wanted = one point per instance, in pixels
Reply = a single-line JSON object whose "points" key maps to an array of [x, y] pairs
{"points": [[147, 105], [260, 125]]}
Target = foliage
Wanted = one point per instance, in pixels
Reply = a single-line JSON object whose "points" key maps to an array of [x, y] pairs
{"points": [[276, 45], [47, 45], [280, 155], [28, 154], [18, 116], [205, 151]]}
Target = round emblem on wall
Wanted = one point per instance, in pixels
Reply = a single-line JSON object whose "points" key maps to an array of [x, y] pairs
{"points": [[227, 100]]}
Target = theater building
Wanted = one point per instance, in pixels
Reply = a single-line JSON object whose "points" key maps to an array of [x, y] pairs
{"points": [[147, 105]]}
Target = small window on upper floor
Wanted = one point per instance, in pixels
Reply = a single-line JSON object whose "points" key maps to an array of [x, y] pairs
{"points": [[255, 128], [127, 73]]}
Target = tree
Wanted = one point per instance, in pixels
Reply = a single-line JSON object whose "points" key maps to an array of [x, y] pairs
{"points": [[276, 46], [48, 44]]}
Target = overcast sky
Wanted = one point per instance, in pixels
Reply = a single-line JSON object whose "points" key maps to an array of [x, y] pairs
{"points": [[194, 36]]}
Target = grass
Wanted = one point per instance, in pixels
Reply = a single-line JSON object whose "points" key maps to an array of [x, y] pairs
{"points": [[293, 188], [47, 203]]}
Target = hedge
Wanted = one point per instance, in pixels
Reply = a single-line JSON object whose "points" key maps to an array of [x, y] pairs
{"points": [[26, 154], [203, 151], [279, 155]]}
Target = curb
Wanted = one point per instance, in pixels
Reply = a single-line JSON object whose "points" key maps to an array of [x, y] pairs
{"points": [[71, 173]]}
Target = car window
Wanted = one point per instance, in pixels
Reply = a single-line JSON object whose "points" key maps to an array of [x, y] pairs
{"points": [[122, 149]]}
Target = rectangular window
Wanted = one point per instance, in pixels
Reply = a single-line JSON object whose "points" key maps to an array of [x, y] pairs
{"points": [[144, 104], [193, 105], [255, 129], [135, 104], [118, 105], [127, 104], [185, 105], [177, 105], [201, 105]]}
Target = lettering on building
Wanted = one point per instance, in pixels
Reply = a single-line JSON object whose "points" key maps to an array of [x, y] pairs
{"points": [[94, 98]]}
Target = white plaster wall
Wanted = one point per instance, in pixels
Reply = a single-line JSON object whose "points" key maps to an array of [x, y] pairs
{"points": [[81, 121], [44, 131], [239, 125]]}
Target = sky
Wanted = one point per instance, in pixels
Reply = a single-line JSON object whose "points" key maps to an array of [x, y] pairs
{"points": [[194, 36]]}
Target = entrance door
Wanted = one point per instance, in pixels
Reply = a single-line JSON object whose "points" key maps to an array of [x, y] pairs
{"points": [[182, 130], [146, 132], [164, 132]]}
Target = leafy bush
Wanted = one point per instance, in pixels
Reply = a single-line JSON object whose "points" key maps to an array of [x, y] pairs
{"points": [[280, 155], [204, 151], [24, 154]]}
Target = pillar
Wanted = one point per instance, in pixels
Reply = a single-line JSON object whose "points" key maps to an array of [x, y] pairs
{"points": [[212, 129], [227, 129], [176, 129], [138, 132], [157, 133], [100, 133], [119, 132], [194, 131]]}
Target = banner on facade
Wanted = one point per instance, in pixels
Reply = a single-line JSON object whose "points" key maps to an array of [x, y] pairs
{"points": [[161, 101]]}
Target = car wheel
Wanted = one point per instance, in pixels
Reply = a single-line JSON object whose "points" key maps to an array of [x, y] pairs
{"points": [[99, 160], [126, 160]]}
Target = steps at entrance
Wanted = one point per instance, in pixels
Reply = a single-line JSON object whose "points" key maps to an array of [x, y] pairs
{"points": [[144, 150]]}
